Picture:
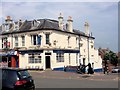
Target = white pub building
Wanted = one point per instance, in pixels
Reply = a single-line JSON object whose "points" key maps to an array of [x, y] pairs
{"points": [[47, 44]]}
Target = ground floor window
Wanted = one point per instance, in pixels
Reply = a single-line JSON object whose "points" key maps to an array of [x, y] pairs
{"points": [[60, 57], [34, 58]]}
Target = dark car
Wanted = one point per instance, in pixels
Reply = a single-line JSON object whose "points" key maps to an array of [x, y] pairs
{"points": [[116, 70], [16, 79]]}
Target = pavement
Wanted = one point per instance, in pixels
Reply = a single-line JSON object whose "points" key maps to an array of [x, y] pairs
{"points": [[72, 75]]}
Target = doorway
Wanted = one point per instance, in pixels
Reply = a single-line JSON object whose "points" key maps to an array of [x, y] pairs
{"points": [[47, 59], [83, 61]]}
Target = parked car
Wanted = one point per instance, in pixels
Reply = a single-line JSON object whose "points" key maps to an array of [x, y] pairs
{"points": [[16, 79], [116, 70]]}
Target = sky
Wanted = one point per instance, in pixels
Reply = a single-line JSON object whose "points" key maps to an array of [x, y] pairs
{"points": [[101, 16]]}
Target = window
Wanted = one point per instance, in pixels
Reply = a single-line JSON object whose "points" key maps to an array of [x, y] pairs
{"points": [[47, 38], [16, 41], [60, 57], [36, 39], [4, 42], [34, 58], [83, 61], [23, 40], [7, 27], [39, 40]]}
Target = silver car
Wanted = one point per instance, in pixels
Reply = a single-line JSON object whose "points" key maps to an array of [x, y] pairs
{"points": [[116, 70]]}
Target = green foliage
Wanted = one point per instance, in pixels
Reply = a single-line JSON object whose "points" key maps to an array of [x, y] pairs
{"points": [[112, 57]]}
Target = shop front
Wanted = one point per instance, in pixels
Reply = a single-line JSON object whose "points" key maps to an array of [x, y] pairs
{"points": [[10, 59]]}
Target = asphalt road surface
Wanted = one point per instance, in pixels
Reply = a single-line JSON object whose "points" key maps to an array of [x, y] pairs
{"points": [[56, 79]]}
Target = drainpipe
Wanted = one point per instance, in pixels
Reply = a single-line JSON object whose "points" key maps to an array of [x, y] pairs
{"points": [[88, 51], [79, 51]]}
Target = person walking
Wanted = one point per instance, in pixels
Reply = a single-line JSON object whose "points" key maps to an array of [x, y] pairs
{"points": [[90, 69]]}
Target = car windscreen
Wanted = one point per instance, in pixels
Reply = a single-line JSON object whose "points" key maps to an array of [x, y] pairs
{"points": [[23, 74]]}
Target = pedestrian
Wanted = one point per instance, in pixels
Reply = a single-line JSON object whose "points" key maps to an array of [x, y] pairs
{"points": [[90, 69], [104, 69], [83, 68], [65, 69], [107, 70]]}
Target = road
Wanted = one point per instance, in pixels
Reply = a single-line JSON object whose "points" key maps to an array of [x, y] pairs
{"points": [[59, 79]]}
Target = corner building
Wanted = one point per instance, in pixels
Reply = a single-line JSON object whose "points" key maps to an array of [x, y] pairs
{"points": [[46, 43]]}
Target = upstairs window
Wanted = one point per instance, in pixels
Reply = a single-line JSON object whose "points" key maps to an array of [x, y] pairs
{"points": [[4, 42], [23, 40], [39, 39], [7, 27], [16, 41], [47, 38], [36, 39]]}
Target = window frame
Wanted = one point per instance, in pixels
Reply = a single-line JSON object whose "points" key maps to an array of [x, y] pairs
{"points": [[34, 58], [16, 41], [60, 57], [47, 35], [23, 40]]}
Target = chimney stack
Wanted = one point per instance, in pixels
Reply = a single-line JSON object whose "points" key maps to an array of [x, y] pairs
{"points": [[60, 20], [8, 19], [69, 24], [86, 28]]}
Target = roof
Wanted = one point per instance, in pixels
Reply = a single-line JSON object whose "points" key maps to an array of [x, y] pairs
{"points": [[44, 24]]}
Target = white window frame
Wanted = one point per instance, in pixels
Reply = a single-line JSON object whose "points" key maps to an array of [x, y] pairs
{"points": [[60, 57], [34, 58], [16, 41], [23, 40]]}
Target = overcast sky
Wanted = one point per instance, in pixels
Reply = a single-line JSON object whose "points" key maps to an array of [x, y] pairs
{"points": [[102, 17]]}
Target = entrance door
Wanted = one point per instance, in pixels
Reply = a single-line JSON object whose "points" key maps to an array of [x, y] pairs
{"points": [[47, 58]]}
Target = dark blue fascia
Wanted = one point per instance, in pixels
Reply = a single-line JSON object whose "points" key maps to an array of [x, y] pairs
{"points": [[66, 51], [30, 51]]}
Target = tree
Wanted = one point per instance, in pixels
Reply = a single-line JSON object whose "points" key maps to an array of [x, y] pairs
{"points": [[112, 57]]}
